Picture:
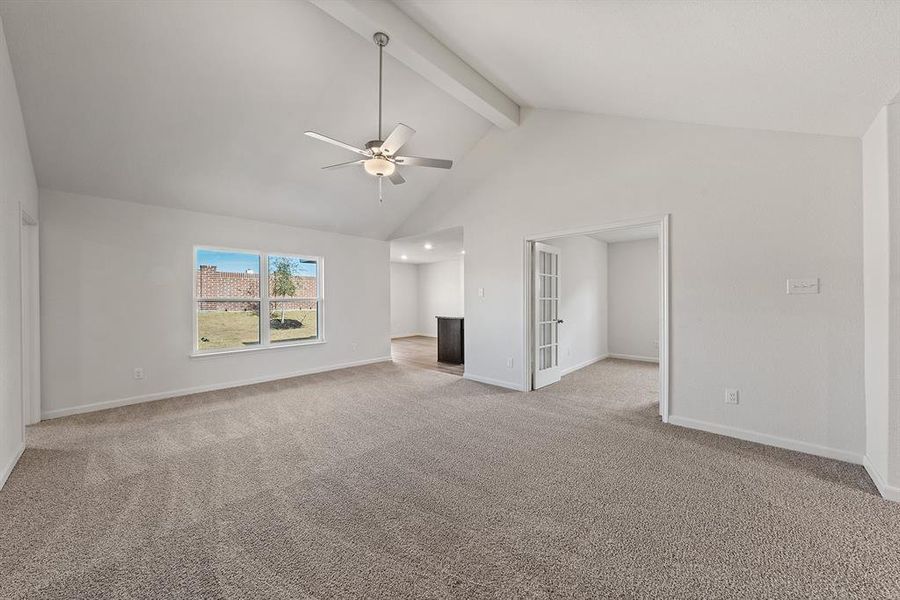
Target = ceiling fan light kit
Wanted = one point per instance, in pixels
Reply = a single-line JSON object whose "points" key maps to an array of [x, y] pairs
{"points": [[381, 159]]}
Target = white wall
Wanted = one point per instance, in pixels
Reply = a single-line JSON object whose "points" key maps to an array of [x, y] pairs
{"points": [[116, 280], [893, 118], [18, 191], [748, 210], [440, 293], [582, 301], [876, 282], [634, 299], [404, 299]]}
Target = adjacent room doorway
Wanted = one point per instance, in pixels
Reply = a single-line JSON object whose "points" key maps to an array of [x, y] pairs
{"points": [[427, 301], [545, 302]]}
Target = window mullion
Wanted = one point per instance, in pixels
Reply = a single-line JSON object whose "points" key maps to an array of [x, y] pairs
{"points": [[264, 321]]}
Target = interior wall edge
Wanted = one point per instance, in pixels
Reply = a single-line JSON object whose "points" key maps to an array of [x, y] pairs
{"points": [[888, 492], [11, 464]]}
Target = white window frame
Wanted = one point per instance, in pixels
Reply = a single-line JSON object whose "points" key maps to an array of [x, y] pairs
{"points": [[264, 299]]}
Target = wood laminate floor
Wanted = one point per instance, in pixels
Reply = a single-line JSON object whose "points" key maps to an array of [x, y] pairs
{"points": [[421, 351]]}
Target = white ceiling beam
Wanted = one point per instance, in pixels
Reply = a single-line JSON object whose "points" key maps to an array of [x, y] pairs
{"points": [[421, 52]]}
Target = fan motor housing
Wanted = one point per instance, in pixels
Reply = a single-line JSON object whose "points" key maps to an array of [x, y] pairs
{"points": [[374, 146]]}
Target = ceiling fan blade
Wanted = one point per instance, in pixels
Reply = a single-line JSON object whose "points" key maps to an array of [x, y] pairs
{"points": [[399, 136], [325, 138], [346, 164], [418, 161], [396, 178]]}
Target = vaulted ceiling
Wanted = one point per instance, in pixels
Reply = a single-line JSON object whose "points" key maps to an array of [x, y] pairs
{"points": [[203, 105], [790, 65]]}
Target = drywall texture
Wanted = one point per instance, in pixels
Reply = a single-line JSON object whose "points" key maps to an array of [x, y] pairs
{"points": [[18, 192], [749, 209], [876, 282], [440, 293], [116, 282], [893, 129], [404, 299], [582, 301], [634, 299]]}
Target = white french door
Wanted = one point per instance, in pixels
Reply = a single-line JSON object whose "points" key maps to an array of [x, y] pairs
{"points": [[545, 313]]}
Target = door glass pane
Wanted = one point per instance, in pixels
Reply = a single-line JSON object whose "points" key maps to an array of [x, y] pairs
{"points": [[293, 320], [221, 274], [223, 325]]}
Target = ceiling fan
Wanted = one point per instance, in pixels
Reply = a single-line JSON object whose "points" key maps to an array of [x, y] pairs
{"points": [[381, 158]]}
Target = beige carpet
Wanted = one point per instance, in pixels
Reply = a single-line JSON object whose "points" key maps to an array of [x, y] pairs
{"points": [[394, 482]]}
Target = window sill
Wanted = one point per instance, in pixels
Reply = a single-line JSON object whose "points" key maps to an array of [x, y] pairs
{"points": [[211, 353]]}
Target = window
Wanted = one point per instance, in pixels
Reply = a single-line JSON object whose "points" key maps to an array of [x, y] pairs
{"points": [[294, 298], [231, 287]]}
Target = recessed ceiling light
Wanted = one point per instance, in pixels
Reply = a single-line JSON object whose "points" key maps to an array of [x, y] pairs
{"points": [[462, 252], [403, 257], [428, 246]]}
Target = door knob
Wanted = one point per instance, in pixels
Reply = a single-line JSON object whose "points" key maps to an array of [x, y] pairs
{"points": [[559, 321]]}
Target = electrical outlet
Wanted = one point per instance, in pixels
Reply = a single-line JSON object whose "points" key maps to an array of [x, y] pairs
{"points": [[354, 346], [138, 373], [509, 363], [732, 396]]}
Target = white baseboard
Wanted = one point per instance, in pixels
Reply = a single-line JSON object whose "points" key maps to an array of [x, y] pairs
{"points": [[887, 492], [574, 368], [651, 359], [8, 467], [504, 384], [95, 406], [768, 440]]}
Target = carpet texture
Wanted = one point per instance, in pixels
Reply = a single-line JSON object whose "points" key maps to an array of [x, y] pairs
{"points": [[388, 481]]}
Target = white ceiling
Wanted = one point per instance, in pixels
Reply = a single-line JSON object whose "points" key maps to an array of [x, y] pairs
{"points": [[202, 105], [446, 245], [807, 66], [627, 234]]}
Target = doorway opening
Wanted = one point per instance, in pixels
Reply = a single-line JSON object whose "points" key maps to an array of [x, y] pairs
{"points": [[427, 301], [597, 294]]}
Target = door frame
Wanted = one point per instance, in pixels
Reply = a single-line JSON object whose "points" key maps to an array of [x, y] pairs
{"points": [[30, 331], [662, 223]]}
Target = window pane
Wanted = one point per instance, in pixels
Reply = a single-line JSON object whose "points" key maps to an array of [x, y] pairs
{"points": [[227, 325], [226, 274], [291, 277], [292, 320]]}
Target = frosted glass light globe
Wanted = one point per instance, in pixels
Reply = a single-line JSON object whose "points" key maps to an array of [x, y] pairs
{"points": [[380, 167]]}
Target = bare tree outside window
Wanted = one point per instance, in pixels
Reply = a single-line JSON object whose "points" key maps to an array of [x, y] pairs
{"points": [[283, 281]]}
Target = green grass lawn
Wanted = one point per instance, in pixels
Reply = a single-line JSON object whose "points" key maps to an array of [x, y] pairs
{"points": [[237, 329]]}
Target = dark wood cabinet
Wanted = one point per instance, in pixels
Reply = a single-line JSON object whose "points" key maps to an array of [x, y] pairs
{"points": [[450, 340]]}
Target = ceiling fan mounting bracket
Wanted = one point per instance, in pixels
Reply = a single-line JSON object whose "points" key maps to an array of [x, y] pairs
{"points": [[381, 39]]}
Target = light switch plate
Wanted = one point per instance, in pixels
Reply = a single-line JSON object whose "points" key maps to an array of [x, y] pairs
{"points": [[803, 286]]}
